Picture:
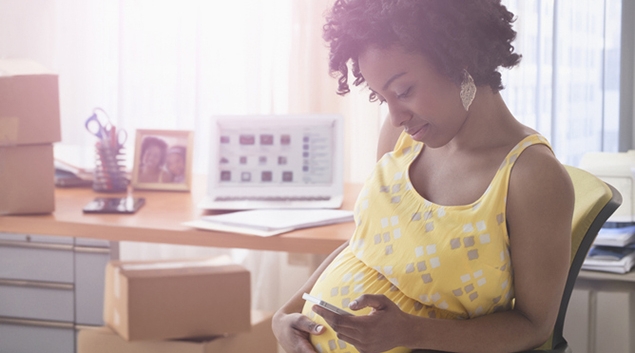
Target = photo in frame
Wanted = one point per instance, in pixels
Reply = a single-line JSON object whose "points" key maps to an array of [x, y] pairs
{"points": [[163, 160]]}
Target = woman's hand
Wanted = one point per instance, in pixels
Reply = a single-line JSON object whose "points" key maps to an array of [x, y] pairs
{"points": [[381, 330], [293, 330]]}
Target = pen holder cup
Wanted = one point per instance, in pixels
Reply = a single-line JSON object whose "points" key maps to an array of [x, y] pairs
{"points": [[110, 172]]}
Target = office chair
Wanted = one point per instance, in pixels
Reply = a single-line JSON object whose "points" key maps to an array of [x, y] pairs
{"points": [[595, 201]]}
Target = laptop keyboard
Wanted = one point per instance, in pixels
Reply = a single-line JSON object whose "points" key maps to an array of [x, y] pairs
{"points": [[273, 198]]}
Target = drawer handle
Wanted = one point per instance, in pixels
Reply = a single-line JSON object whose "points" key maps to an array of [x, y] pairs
{"points": [[92, 250], [21, 244], [36, 284], [51, 324]]}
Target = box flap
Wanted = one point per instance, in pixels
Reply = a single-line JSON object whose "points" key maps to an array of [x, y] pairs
{"points": [[179, 267]]}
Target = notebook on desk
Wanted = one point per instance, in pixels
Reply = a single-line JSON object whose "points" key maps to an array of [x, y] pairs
{"points": [[275, 161]]}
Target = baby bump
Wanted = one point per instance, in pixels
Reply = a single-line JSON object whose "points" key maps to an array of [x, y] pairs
{"points": [[346, 279]]}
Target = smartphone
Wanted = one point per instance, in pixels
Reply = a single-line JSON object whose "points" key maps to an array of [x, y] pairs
{"points": [[114, 205], [325, 305]]}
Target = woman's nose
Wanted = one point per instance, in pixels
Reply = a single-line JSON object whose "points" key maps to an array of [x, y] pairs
{"points": [[398, 114]]}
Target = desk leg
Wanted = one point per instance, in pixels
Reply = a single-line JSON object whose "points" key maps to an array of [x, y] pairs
{"points": [[631, 324], [309, 261], [591, 330], [316, 261], [114, 250]]}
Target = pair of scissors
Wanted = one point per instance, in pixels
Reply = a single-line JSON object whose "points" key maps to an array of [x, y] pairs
{"points": [[104, 130], [117, 137], [97, 127]]}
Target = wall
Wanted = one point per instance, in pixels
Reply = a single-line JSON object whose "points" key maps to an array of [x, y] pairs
{"points": [[20, 39]]}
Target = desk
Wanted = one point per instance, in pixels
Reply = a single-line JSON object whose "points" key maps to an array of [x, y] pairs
{"points": [[159, 221], [604, 281], [601, 315]]}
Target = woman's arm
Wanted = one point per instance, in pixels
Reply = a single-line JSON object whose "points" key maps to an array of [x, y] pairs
{"points": [[388, 136], [290, 327], [539, 213]]}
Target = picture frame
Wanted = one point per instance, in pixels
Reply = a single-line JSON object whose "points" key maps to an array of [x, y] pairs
{"points": [[163, 160]]}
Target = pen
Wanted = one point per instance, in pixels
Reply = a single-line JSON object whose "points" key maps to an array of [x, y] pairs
{"points": [[113, 137]]}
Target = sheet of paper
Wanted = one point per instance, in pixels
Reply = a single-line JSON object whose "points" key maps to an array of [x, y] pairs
{"points": [[275, 219], [269, 222], [201, 224]]}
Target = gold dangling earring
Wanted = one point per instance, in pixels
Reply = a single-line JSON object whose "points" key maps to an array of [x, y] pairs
{"points": [[468, 90]]}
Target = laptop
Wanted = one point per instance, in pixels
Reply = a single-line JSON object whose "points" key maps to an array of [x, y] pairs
{"points": [[275, 161]]}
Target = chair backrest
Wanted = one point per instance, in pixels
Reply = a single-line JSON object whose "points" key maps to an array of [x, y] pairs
{"points": [[595, 201]]}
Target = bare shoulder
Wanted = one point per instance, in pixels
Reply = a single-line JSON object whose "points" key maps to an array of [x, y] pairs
{"points": [[536, 169], [540, 194]]}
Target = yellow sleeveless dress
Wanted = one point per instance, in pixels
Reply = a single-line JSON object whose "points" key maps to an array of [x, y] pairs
{"points": [[443, 262]]}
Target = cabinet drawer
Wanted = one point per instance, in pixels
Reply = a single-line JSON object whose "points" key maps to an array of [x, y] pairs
{"points": [[36, 261], [90, 268], [36, 300], [51, 239], [19, 336], [96, 243]]}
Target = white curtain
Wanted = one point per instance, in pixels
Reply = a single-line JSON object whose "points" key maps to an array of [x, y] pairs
{"points": [[171, 64]]}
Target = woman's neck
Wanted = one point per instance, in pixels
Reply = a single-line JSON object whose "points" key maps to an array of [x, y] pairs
{"points": [[488, 123]]}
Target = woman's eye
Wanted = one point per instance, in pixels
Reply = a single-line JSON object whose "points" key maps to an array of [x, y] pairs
{"points": [[404, 94], [374, 97]]}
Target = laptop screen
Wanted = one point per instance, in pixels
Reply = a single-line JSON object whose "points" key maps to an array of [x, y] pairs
{"points": [[276, 151]]}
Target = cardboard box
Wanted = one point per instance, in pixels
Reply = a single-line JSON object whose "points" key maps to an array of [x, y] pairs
{"points": [[29, 124], [26, 179], [157, 300], [29, 104], [260, 339]]}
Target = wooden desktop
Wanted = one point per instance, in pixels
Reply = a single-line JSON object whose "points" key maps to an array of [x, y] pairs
{"points": [[160, 221]]}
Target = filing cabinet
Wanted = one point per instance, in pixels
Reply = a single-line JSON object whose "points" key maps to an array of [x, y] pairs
{"points": [[24, 336], [49, 285]]}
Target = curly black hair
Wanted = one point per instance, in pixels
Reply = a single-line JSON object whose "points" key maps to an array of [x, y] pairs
{"points": [[149, 141], [454, 35]]}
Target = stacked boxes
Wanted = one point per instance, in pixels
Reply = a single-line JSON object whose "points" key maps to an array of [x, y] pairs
{"points": [[29, 125], [191, 305]]}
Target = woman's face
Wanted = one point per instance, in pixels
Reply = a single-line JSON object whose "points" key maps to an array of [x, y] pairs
{"points": [[175, 163], [421, 100], [152, 157]]}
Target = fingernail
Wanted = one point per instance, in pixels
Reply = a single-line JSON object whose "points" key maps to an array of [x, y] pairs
{"points": [[352, 304], [318, 328]]}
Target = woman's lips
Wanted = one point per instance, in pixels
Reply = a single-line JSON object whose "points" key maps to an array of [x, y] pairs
{"points": [[418, 132]]}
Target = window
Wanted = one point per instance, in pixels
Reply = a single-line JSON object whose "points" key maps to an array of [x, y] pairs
{"points": [[567, 85]]}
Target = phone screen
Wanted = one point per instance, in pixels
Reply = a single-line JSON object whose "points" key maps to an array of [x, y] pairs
{"points": [[325, 305], [114, 205]]}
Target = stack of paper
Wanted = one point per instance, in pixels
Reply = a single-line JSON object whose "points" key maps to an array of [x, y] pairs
{"points": [[67, 174], [618, 236], [610, 259], [613, 249], [271, 221]]}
